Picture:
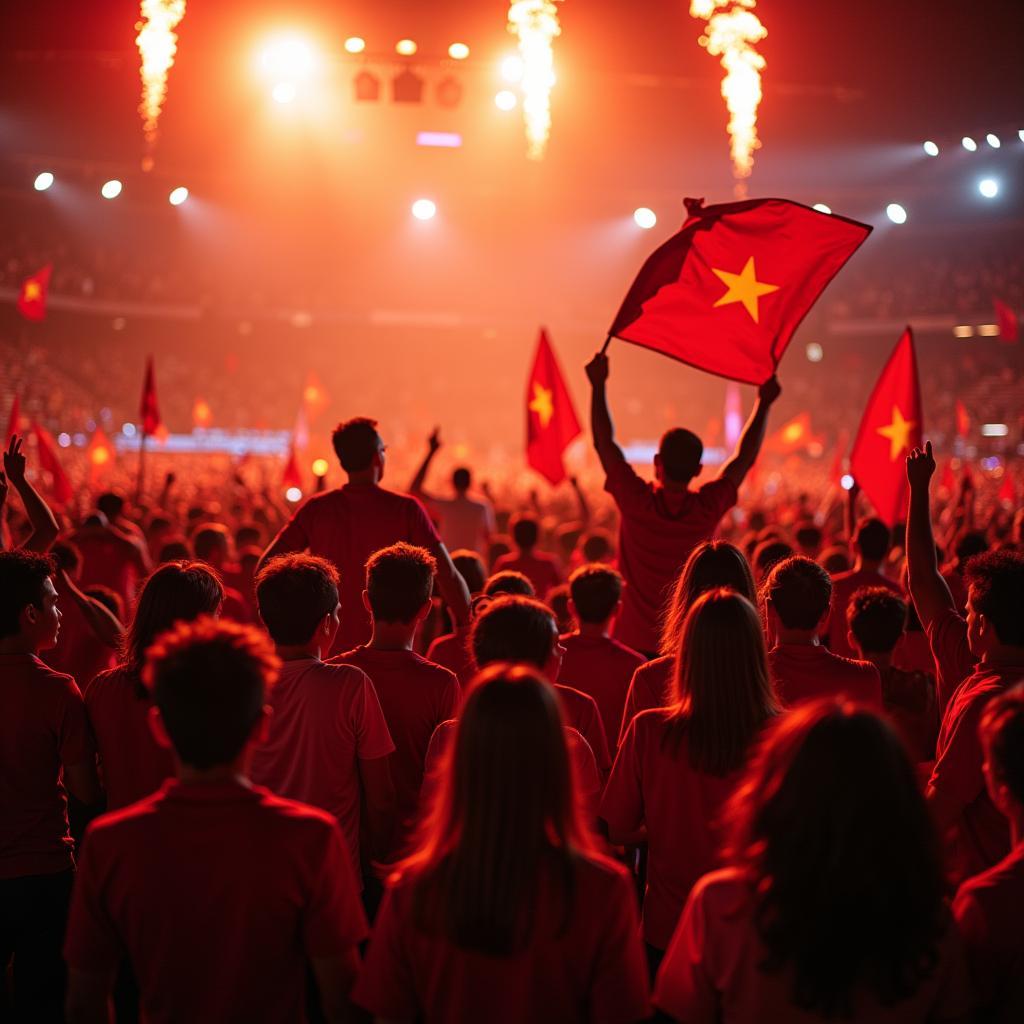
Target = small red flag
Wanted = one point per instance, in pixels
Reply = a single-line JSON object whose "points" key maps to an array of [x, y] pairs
{"points": [[727, 292], [48, 461], [149, 411], [32, 297], [794, 436], [551, 423], [963, 421], [13, 420], [1009, 324], [1008, 488], [292, 475], [891, 427], [202, 414]]}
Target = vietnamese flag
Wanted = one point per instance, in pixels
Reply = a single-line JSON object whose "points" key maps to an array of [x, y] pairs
{"points": [[149, 411], [13, 420], [794, 436], [551, 422], [1009, 325], [32, 297], [891, 427], [728, 291], [48, 461]]}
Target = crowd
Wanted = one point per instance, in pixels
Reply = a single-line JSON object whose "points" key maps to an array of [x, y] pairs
{"points": [[455, 755]]}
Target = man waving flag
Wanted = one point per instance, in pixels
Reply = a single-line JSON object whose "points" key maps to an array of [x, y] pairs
{"points": [[728, 291], [551, 423]]}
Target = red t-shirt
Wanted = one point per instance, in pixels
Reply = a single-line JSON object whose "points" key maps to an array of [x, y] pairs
{"points": [[658, 530], [218, 895], [589, 968], [913, 653], [649, 688], [416, 697], [656, 787], [601, 667], [132, 763], [843, 586], [109, 560], [947, 637], [803, 672], [42, 727], [712, 971], [909, 699], [324, 718], [451, 651], [988, 912], [581, 712], [540, 568], [348, 525]]}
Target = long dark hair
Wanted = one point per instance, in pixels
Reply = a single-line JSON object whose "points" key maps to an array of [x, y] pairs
{"points": [[721, 691], [505, 822], [834, 834]]}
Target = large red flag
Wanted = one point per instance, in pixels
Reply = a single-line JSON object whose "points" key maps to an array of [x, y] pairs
{"points": [[149, 411], [727, 292], [32, 297], [890, 428], [13, 420], [1009, 325], [551, 422], [48, 461]]}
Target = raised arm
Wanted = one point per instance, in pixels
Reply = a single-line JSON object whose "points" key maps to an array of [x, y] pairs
{"points": [[44, 525], [581, 500], [433, 444], [928, 590], [600, 417], [105, 625], [749, 446]]}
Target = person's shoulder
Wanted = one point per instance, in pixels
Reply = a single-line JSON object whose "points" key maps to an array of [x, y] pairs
{"points": [[726, 891], [292, 810], [338, 672], [851, 666], [110, 681], [113, 828], [655, 666], [430, 669], [60, 682], [574, 696], [840, 579], [626, 653]]}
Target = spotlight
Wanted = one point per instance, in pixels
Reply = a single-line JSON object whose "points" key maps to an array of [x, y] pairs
{"points": [[505, 100], [814, 352], [458, 51], [512, 69], [1020, 134], [968, 143], [111, 189], [645, 218], [293, 494], [288, 58], [846, 482], [993, 140], [284, 92], [354, 44], [963, 331], [424, 209], [178, 196], [406, 47], [320, 467], [822, 208], [43, 181], [931, 149], [988, 187], [896, 213]]}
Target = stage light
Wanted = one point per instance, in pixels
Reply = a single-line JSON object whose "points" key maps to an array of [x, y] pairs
{"points": [[993, 140], [354, 44], [320, 467], [645, 218], [846, 482], [458, 51], [506, 100], [178, 196], [988, 330], [988, 187], [963, 331], [293, 494], [284, 92], [931, 149], [64, 440], [994, 430], [406, 47], [1020, 134], [822, 208], [424, 209], [968, 143], [43, 181], [441, 140], [512, 69], [111, 189], [288, 58], [814, 352], [896, 213], [128, 429]]}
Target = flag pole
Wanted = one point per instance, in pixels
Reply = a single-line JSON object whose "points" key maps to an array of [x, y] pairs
{"points": [[142, 465], [607, 342]]}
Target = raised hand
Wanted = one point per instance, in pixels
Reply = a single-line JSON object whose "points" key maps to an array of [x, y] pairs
{"points": [[921, 466], [434, 441], [597, 369], [14, 461]]}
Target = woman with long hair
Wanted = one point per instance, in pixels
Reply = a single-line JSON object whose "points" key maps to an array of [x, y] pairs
{"points": [[832, 904], [677, 765], [132, 763], [506, 912]]}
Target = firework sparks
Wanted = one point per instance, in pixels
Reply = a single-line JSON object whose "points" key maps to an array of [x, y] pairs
{"points": [[157, 43], [535, 23], [731, 35]]}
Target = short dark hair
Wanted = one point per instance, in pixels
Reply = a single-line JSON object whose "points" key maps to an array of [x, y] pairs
{"points": [[1002, 732], [835, 559], [525, 531], [399, 581], [294, 593], [508, 581], [355, 443], [66, 556], [461, 479], [513, 628], [768, 554], [248, 535], [680, 451], [22, 575], [973, 542], [995, 583], [877, 618], [597, 544], [471, 568], [208, 538], [596, 590], [872, 539], [800, 592], [209, 679], [111, 504], [808, 535]]}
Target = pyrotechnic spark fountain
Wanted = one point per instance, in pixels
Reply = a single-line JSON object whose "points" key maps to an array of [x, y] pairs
{"points": [[731, 35], [535, 23], [157, 43]]}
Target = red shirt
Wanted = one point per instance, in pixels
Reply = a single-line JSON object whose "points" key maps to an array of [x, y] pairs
{"points": [[712, 971], [947, 636], [843, 586], [324, 718], [42, 727], [109, 559], [581, 712], [78, 653], [655, 786], [803, 672], [988, 909], [541, 569], [451, 651], [416, 697], [601, 667], [348, 525], [909, 699], [218, 895], [591, 970], [658, 530], [649, 688], [132, 763]]}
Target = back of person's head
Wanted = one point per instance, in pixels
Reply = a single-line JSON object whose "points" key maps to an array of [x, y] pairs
{"points": [[809, 538], [209, 680], [832, 829], [715, 563], [294, 594], [597, 546], [1002, 736], [111, 504], [174, 551], [471, 568], [721, 688], [110, 600], [596, 591], [512, 628], [679, 455], [973, 542], [835, 560], [66, 557], [872, 539], [356, 442], [557, 599], [174, 592], [461, 479], [212, 543], [248, 535], [877, 619], [508, 581], [159, 525], [799, 591], [525, 531], [995, 589], [768, 554], [399, 581], [22, 576]]}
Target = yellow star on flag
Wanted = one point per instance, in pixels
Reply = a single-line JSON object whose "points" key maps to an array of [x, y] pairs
{"points": [[32, 291], [898, 433], [743, 287], [542, 404]]}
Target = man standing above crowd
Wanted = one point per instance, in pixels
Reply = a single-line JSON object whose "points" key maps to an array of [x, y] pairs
{"points": [[663, 521]]}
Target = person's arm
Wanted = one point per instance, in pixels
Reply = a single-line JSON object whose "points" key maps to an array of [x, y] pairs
{"points": [[928, 590], [105, 625], [581, 500], [164, 501], [749, 446], [379, 793], [452, 586], [82, 782], [335, 976], [44, 525], [3, 518], [88, 998], [291, 537], [600, 417], [850, 514], [433, 444]]}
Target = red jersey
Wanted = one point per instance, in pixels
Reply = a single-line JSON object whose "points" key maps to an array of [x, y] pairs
{"points": [[650, 687], [581, 712], [803, 672], [587, 968], [601, 667], [218, 895], [451, 651], [348, 525], [912, 652], [132, 763], [42, 727], [844, 585], [654, 785], [541, 569], [325, 717], [909, 699], [658, 530], [111, 560], [712, 972], [947, 637]]}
